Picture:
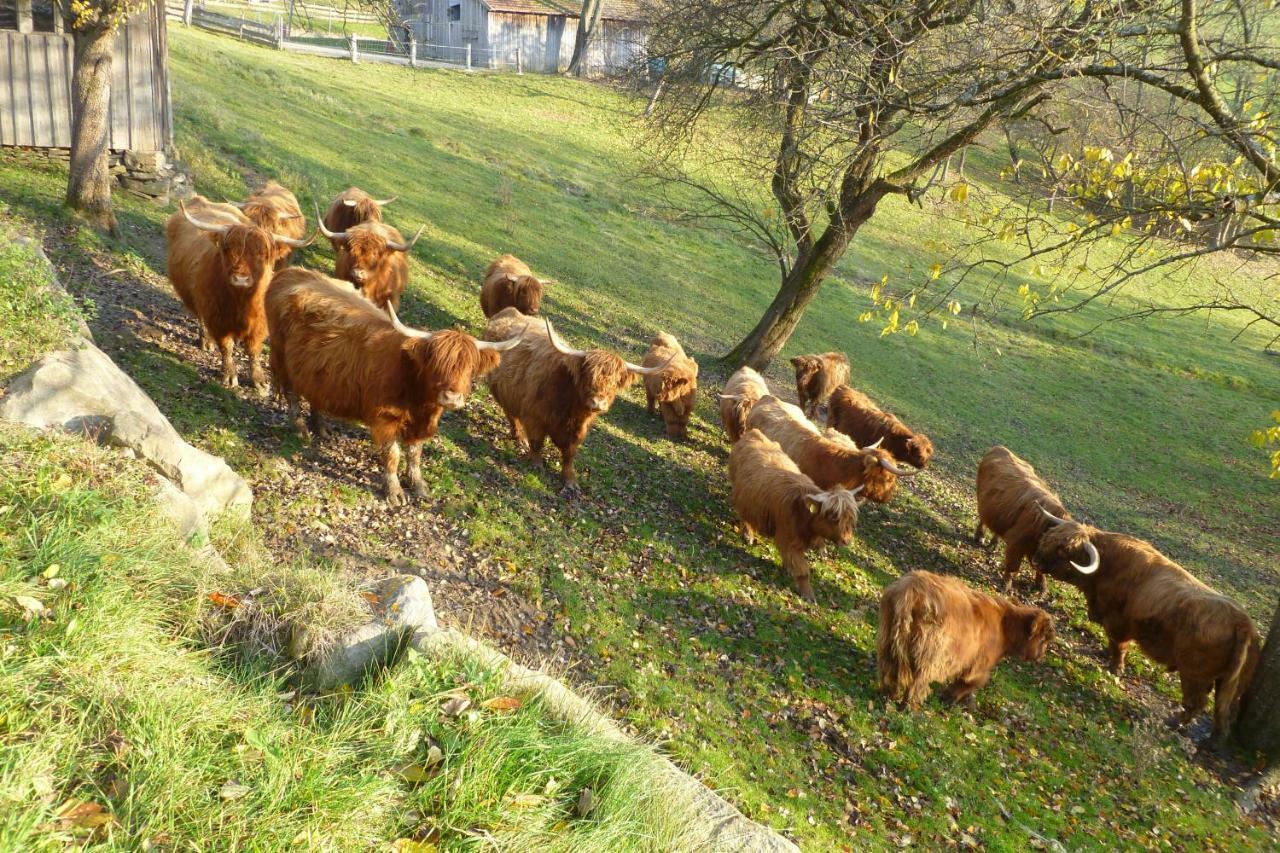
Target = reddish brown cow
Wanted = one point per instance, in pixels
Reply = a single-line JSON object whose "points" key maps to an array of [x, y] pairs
{"points": [[509, 283], [548, 390], [829, 460], [817, 376], [855, 415], [219, 263], [773, 498], [937, 629], [1010, 499], [675, 389], [373, 257], [741, 391], [346, 358], [1136, 593], [273, 208], [352, 207]]}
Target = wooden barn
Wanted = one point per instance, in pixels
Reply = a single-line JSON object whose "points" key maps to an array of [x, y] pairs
{"points": [[542, 32]]}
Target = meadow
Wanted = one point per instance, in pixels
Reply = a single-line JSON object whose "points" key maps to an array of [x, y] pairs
{"points": [[697, 637]]}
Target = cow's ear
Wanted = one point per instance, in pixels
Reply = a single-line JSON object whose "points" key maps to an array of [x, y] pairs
{"points": [[488, 360], [797, 360]]}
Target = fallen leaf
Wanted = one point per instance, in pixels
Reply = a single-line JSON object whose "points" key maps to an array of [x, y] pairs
{"points": [[415, 773], [370, 597], [586, 801], [57, 583], [232, 790], [455, 706], [227, 602], [501, 703], [32, 608], [434, 756], [525, 801], [51, 572]]}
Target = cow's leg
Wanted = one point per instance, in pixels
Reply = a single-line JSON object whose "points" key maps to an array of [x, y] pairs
{"points": [[1116, 650], [206, 342], [650, 400], [1223, 710], [295, 415], [228, 347], [1013, 554], [390, 454], [962, 689], [518, 434], [315, 420], [748, 533], [253, 346], [1042, 583], [1195, 698], [413, 461], [533, 446], [568, 473], [917, 692], [977, 533], [797, 566]]}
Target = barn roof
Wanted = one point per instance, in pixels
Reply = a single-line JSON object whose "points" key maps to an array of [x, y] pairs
{"points": [[614, 10]]}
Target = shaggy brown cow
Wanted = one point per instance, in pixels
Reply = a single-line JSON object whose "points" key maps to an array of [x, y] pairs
{"points": [[855, 415], [829, 460], [548, 390], [937, 629], [509, 283], [346, 358], [817, 376], [773, 498], [675, 389], [1010, 499], [273, 208], [741, 391], [373, 257], [353, 206], [1136, 593], [220, 263]]}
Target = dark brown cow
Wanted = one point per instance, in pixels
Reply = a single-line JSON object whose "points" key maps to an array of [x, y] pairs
{"points": [[275, 209], [352, 207], [548, 390], [855, 415], [346, 358], [373, 257], [509, 283], [1136, 593], [938, 629], [817, 376], [674, 391], [1011, 497], [219, 263]]}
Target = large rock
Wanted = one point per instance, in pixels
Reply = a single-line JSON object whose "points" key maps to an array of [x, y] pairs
{"points": [[82, 391]]}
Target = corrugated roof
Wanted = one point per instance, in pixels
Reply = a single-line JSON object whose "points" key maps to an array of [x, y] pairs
{"points": [[614, 10]]}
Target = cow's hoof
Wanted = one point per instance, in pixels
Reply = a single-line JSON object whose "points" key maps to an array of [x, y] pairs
{"points": [[262, 389], [571, 491], [395, 497], [230, 382], [419, 490]]}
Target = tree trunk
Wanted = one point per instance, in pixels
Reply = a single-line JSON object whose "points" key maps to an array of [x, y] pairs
{"points": [[1259, 725], [587, 20], [89, 184]]}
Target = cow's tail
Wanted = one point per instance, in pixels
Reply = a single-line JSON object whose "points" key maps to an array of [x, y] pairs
{"points": [[1244, 660], [904, 620]]}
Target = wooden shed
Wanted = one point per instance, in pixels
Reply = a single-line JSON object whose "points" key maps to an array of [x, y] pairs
{"points": [[541, 32], [35, 80]]}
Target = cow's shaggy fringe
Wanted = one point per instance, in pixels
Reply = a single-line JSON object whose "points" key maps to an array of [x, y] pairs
{"points": [[817, 376], [741, 391], [857, 416], [509, 283], [386, 270]]}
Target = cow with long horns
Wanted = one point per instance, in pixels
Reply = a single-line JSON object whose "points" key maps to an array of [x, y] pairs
{"points": [[817, 376], [548, 390], [275, 209], [373, 257], [829, 460], [1136, 593], [352, 207], [741, 391], [857, 416], [673, 392], [1011, 497], [774, 498], [349, 359], [509, 283], [219, 263]]}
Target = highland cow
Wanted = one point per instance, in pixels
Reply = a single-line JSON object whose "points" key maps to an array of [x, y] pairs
{"points": [[219, 263], [741, 391], [549, 391], [509, 283], [1010, 499], [1136, 593], [829, 460], [937, 629], [348, 359], [855, 415], [373, 257], [817, 376], [352, 207], [273, 208], [773, 498], [674, 391]]}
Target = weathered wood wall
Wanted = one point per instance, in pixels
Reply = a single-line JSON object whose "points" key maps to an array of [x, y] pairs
{"points": [[546, 42]]}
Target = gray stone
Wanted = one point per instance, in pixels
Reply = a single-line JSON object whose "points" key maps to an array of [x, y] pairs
{"points": [[180, 508], [82, 391], [145, 161], [152, 187]]}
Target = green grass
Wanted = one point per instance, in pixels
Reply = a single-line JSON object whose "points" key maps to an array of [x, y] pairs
{"points": [[34, 316], [119, 725], [1143, 427]]}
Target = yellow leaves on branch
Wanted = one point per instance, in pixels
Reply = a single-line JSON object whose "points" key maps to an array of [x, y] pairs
{"points": [[1269, 437], [960, 192]]}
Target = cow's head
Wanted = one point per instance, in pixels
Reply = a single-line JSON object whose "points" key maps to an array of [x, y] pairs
{"points": [[360, 206], [448, 362], [919, 451], [1034, 630], [370, 247], [807, 367], [1066, 551], [526, 292], [834, 513], [269, 217], [676, 398], [598, 375], [247, 250], [879, 472]]}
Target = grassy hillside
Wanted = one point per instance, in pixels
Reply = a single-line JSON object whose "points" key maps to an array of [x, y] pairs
{"points": [[646, 584]]}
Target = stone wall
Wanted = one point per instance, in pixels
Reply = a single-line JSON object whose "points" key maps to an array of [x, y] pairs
{"points": [[146, 174]]}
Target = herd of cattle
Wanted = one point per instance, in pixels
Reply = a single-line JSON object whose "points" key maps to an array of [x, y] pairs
{"points": [[338, 344]]}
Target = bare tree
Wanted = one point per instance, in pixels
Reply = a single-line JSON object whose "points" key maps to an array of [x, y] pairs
{"points": [[588, 20]]}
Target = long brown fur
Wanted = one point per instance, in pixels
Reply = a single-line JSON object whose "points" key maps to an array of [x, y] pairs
{"points": [[673, 390], [817, 376], [546, 394], [1010, 495], [509, 283], [201, 265], [830, 460], [937, 629], [741, 391], [341, 217], [275, 209], [1139, 594], [385, 270], [773, 498], [857, 416], [335, 349]]}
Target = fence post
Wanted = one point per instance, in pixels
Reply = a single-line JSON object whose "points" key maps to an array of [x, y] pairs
{"points": [[277, 34], [468, 56], [186, 12], [519, 63], [355, 48], [413, 50]]}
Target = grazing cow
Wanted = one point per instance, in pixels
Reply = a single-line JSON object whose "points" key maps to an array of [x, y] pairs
{"points": [[855, 415], [273, 208], [1010, 499], [938, 629], [675, 389], [817, 376], [773, 498], [741, 391], [1136, 593], [352, 207], [220, 263], [346, 358], [548, 390], [373, 257], [829, 460], [509, 283]]}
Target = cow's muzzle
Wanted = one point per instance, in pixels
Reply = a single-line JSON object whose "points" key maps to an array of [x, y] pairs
{"points": [[599, 404], [241, 280], [452, 400]]}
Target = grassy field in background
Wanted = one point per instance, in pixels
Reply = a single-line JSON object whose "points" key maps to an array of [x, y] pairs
{"points": [[1143, 427]]}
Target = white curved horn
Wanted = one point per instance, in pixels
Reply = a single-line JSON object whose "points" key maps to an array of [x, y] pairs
{"points": [[559, 345], [730, 396], [404, 247], [648, 371], [203, 226], [349, 202], [858, 489], [295, 242], [405, 330], [879, 442], [1094, 560], [240, 205], [1053, 518], [887, 464], [332, 235], [382, 201], [503, 346]]}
